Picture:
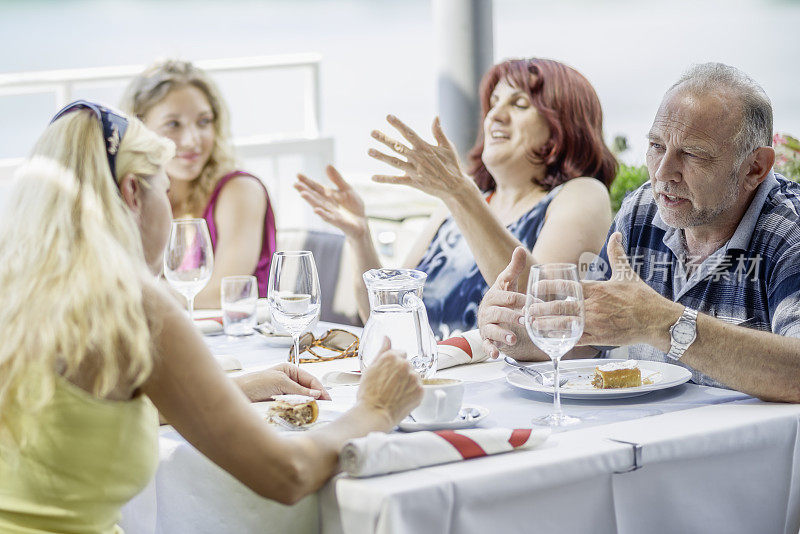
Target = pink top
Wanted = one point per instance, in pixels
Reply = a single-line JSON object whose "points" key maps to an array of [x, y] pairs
{"points": [[268, 238]]}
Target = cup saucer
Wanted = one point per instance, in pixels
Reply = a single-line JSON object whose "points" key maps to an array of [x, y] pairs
{"points": [[407, 425]]}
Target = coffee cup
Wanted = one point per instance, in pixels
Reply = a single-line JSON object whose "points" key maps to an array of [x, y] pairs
{"points": [[441, 400]]}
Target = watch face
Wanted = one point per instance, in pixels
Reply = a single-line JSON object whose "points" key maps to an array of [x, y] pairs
{"points": [[683, 333]]}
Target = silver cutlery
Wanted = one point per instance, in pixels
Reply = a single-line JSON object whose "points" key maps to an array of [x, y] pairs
{"points": [[464, 414], [536, 374], [266, 329], [468, 414]]}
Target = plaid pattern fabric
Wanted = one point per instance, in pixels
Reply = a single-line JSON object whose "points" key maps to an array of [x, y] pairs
{"points": [[753, 281]]}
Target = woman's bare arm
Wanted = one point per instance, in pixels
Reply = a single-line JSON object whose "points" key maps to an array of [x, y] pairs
{"points": [[239, 218], [189, 388]]}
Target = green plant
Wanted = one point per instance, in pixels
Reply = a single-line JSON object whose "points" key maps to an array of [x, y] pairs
{"points": [[787, 156], [629, 178]]}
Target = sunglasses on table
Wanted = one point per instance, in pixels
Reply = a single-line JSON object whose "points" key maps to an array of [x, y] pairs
{"points": [[340, 343]]}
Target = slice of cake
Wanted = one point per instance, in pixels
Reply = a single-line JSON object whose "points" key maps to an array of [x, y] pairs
{"points": [[617, 375], [294, 409]]}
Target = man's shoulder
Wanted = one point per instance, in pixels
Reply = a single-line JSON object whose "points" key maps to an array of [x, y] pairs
{"points": [[639, 197], [779, 220], [783, 199], [637, 212], [777, 231]]}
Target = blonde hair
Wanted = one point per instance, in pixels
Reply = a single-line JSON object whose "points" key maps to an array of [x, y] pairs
{"points": [[153, 85], [72, 269]]}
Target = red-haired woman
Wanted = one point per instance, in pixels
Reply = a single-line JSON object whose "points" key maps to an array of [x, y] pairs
{"points": [[538, 176]]}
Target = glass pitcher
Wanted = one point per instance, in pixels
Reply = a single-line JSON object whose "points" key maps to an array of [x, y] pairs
{"points": [[397, 311]]}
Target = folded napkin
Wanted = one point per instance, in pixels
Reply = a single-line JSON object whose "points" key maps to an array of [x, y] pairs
{"points": [[461, 349], [378, 453], [209, 326]]}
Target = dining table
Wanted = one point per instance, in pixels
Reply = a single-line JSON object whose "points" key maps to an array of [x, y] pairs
{"points": [[687, 458]]}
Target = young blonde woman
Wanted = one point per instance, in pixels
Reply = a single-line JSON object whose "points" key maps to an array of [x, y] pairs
{"points": [[93, 345], [181, 102]]}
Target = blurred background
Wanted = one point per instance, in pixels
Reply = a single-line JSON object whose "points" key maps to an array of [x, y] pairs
{"points": [[377, 54], [380, 56]]}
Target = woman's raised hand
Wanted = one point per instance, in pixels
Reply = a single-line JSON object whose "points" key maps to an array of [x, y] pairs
{"points": [[391, 385], [342, 207], [433, 169]]}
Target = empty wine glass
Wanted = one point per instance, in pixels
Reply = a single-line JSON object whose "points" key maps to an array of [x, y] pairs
{"points": [[293, 293], [554, 319], [189, 258]]}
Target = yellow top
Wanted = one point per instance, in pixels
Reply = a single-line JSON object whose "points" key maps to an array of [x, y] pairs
{"points": [[87, 459]]}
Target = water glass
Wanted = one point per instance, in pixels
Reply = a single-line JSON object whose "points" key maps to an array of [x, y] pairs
{"points": [[554, 319], [238, 299]]}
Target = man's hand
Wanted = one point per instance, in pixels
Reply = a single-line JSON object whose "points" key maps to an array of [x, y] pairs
{"points": [[625, 310], [501, 310], [282, 379]]}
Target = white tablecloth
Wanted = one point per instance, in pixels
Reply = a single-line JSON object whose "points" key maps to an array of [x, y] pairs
{"points": [[727, 468], [713, 460]]}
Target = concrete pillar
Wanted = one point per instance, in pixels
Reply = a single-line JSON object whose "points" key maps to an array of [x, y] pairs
{"points": [[464, 52]]}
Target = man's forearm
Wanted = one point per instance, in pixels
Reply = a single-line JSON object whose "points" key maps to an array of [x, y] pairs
{"points": [[755, 362], [758, 363]]}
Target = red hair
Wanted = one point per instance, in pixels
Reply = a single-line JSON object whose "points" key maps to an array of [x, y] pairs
{"points": [[568, 103]]}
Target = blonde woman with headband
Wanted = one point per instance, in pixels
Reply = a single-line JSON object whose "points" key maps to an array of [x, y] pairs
{"points": [[181, 102], [93, 344]]}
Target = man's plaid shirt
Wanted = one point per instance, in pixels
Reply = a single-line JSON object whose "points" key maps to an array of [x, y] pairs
{"points": [[752, 281]]}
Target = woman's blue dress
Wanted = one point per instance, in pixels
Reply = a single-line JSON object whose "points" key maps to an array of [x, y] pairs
{"points": [[455, 286]]}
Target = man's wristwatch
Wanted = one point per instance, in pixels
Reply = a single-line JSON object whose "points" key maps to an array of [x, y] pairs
{"points": [[682, 333]]}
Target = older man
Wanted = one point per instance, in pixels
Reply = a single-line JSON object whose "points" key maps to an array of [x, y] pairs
{"points": [[714, 241]]}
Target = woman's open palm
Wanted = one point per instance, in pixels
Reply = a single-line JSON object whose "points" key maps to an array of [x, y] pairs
{"points": [[342, 207], [431, 168]]}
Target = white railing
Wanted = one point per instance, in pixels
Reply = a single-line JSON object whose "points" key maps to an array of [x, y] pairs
{"points": [[275, 158], [63, 82]]}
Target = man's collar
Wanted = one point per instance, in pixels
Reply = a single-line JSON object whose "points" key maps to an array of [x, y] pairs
{"points": [[744, 231]]}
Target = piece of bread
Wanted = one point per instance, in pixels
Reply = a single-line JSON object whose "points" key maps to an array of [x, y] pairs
{"points": [[617, 375], [295, 409]]}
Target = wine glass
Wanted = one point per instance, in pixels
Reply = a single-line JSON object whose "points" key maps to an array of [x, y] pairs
{"points": [[554, 319], [293, 293], [189, 258]]}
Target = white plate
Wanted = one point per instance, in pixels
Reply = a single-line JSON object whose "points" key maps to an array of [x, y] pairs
{"points": [[274, 340], [664, 375], [328, 411], [410, 426], [341, 378]]}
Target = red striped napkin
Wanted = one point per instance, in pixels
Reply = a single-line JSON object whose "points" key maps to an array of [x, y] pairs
{"points": [[210, 325], [379, 454], [461, 349]]}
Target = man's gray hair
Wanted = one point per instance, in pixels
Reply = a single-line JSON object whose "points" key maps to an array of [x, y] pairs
{"points": [[756, 127]]}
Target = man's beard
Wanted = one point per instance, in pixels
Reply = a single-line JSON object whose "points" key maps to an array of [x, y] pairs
{"points": [[703, 216]]}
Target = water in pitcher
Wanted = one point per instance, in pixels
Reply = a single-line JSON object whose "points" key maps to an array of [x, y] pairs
{"points": [[397, 312]]}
